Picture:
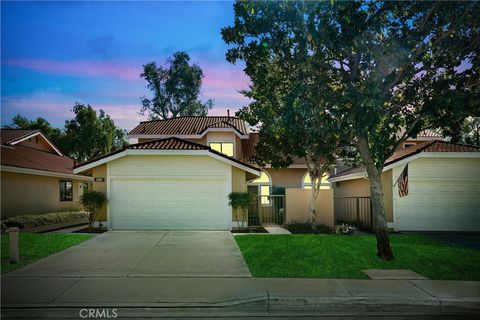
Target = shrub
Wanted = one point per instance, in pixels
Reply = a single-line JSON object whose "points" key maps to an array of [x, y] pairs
{"points": [[37, 220], [239, 201], [305, 227], [93, 201], [344, 228]]}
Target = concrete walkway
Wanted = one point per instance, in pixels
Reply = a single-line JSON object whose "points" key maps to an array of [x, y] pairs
{"points": [[321, 295]]}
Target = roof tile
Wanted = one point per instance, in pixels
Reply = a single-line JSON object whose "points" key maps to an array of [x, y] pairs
{"points": [[189, 125]]}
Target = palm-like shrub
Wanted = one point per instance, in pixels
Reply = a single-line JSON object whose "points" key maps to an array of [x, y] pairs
{"points": [[239, 201]]}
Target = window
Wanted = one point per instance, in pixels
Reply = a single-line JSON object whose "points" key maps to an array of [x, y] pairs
{"points": [[264, 187], [324, 184], [66, 190], [223, 147]]}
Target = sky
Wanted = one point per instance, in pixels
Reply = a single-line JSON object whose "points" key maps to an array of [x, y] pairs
{"points": [[54, 54]]}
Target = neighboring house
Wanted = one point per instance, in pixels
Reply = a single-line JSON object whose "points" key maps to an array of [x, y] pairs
{"points": [[35, 176], [443, 188]]}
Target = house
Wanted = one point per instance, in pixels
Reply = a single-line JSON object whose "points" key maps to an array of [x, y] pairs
{"points": [[443, 188], [35, 176], [177, 173]]}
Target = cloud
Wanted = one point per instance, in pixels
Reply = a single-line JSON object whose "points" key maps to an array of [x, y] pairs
{"points": [[80, 68], [103, 46], [55, 106]]}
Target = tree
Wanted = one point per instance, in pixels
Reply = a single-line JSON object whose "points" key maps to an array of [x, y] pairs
{"points": [[288, 111], [239, 201], [392, 66], [471, 131], [53, 134], [93, 201], [91, 135], [175, 88]]}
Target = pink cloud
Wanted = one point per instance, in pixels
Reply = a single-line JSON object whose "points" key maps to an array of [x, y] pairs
{"points": [[85, 68]]}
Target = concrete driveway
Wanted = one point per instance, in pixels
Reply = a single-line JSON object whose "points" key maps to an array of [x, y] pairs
{"points": [[145, 254]]}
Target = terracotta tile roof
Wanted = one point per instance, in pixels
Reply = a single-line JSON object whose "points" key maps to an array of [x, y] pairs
{"points": [[28, 158], [172, 143], [11, 135], [429, 146], [248, 146], [429, 134], [189, 125]]}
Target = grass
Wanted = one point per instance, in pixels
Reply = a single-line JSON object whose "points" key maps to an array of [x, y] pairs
{"points": [[336, 256], [34, 246]]}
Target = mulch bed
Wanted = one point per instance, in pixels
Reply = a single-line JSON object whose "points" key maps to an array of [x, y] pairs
{"points": [[250, 230], [95, 230]]}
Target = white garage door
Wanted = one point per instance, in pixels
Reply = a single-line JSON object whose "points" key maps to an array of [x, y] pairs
{"points": [[176, 196], [444, 195]]}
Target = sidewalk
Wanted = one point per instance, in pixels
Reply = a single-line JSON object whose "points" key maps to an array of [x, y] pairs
{"points": [[254, 294]]}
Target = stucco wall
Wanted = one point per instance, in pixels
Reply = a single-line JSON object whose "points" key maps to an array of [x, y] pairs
{"points": [[361, 188], [34, 194], [100, 172], [286, 178], [297, 206]]}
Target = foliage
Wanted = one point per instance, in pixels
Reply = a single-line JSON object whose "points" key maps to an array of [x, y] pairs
{"points": [[90, 134], [333, 256], [239, 201], [54, 134], [37, 220], [470, 131], [86, 136], [376, 72], [344, 228], [93, 201], [305, 227], [175, 88], [34, 246]]}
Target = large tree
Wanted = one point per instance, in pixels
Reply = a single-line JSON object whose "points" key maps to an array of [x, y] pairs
{"points": [[293, 120], [90, 134], [175, 87], [394, 67]]}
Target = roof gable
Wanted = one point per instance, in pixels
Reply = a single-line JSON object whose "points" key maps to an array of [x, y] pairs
{"points": [[434, 146], [11, 137], [173, 144]]}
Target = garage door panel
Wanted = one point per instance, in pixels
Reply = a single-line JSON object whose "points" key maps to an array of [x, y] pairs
{"points": [[169, 204], [439, 200]]}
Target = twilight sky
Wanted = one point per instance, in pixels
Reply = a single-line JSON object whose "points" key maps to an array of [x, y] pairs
{"points": [[54, 54]]}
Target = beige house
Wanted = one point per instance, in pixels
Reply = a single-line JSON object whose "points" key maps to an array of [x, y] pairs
{"points": [[177, 173], [443, 189], [35, 176]]}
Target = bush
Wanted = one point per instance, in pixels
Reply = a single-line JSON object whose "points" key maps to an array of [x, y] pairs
{"points": [[93, 201], [344, 228], [37, 220], [239, 201], [305, 227]]}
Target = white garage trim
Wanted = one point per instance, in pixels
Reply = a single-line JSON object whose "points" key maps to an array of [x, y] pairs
{"points": [[166, 152]]}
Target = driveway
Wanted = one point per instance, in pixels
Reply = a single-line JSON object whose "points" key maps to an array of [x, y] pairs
{"points": [[145, 254]]}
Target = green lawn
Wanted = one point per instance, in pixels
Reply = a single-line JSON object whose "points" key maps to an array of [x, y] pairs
{"points": [[34, 246], [335, 256]]}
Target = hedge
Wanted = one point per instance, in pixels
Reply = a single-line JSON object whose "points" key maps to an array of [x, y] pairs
{"points": [[36, 220]]}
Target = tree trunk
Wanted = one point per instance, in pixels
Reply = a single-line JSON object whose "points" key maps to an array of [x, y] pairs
{"points": [[316, 169], [384, 250]]}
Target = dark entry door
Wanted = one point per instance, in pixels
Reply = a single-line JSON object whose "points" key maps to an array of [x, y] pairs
{"points": [[253, 219]]}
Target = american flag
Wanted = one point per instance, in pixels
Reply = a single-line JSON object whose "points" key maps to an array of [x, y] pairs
{"points": [[403, 182]]}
